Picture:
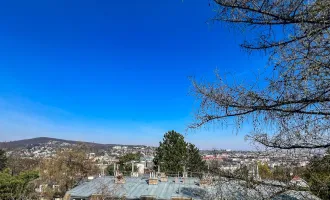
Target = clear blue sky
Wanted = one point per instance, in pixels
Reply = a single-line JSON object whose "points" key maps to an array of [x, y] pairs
{"points": [[112, 71]]}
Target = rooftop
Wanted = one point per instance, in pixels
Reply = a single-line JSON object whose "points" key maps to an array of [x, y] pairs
{"points": [[179, 188], [135, 187]]}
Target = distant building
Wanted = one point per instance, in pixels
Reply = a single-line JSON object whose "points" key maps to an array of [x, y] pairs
{"points": [[147, 161], [91, 155], [297, 181], [140, 168], [212, 157]]}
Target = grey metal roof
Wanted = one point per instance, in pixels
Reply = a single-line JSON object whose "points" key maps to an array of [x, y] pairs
{"points": [[134, 188]]}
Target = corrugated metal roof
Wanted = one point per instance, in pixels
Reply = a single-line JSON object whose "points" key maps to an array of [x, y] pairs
{"points": [[136, 187]]}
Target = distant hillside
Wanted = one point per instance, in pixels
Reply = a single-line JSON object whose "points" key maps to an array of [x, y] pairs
{"points": [[40, 140]]}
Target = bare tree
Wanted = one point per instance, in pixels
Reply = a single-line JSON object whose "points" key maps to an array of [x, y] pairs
{"points": [[107, 190], [290, 109], [296, 101], [67, 169], [17, 164]]}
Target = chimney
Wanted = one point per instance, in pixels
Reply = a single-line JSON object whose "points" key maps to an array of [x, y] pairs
{"points": [[153, 180], [152, 175]]}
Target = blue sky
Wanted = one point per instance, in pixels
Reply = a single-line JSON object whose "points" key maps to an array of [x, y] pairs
{"points": [[113, 71]]}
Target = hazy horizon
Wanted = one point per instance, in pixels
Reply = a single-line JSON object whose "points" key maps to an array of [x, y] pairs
{"points": [[100, 143]]}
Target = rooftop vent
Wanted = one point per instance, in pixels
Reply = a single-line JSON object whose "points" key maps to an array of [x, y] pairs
{"points": [[205, 181], [163, 177]]}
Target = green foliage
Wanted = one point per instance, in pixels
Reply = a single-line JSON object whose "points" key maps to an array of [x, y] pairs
{"points": [[109, 170], [194, 159], [171, 153], [174, 153], [16, 187], [264, 170], [125, 161], [281, 174], [3, 159], [129, 157], [317, 174]]}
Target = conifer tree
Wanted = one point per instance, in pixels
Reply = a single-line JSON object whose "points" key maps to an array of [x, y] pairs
{"points": [[195, 162], [173, 154], [3, 159]]}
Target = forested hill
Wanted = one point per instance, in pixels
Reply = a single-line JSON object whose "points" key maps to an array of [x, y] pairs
{"points": [[42, 140]]}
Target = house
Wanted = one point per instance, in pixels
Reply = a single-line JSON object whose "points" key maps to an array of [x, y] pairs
{"points": [[299, 182]]}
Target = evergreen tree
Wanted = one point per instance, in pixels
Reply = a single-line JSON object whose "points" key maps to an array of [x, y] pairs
{"points": [[17, 187], [173, 154], [110, 170], [125, 161], [3, 159], [195, 162]]}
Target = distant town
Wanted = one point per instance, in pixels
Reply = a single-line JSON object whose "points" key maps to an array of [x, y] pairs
{"points": [[108, 154]]}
